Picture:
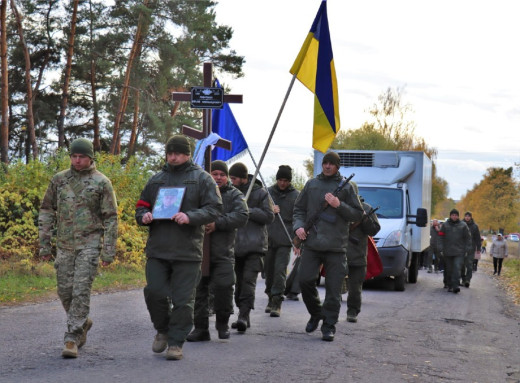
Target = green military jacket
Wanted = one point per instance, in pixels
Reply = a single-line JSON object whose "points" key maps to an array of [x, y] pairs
{"points": [[82, 207], [234, 215], [285, 199], [454, 239], [331, 231], [358, 237], [202, 204]]}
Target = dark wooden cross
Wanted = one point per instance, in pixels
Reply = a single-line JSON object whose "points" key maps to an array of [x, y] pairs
{"points": [[206, 131]]}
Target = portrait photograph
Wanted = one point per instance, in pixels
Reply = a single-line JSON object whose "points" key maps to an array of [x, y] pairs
{"points": [[168, 202]]}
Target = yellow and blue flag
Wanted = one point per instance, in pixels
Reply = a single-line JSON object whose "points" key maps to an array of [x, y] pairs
{"points": [[314, 67]]}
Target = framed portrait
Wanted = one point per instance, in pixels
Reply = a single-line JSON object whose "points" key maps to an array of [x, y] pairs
{"points": [[168, 202]]}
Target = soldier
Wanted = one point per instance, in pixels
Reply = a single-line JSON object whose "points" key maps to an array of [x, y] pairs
{"points": [[337, 204], [357, 256], [454, 243], [81, 205], [279, 252], [467, 268], [222, 276], [434, 239], [250, 244], [174, 247]]}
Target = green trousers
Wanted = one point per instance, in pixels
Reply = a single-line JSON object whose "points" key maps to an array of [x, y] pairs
{"points": [[335, 265], [175, 281], [246, 270], [221, 279], [276, 261], [356, 277]]}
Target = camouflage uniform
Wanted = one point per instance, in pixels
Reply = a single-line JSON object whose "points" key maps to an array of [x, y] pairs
{"points": [[82, 207]]}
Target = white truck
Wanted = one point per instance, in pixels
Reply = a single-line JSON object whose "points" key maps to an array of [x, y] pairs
{"points": [[399, 183]]}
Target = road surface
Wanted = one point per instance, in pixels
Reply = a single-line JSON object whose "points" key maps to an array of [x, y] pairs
{"points": [[424, 334]]}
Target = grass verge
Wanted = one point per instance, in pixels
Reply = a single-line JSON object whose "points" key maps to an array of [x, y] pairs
{"points": [[37, 284]]}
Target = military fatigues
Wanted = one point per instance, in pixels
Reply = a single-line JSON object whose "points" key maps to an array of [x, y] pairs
{"points": [[222, 259], [434, 239], [82, 206], [279, 251], [467, 268], [357, 258], [454, 243], [174, 251], [251, 246], [326, 244]]}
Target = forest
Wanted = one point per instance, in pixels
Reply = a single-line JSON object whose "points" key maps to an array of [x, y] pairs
{"points": [[105, 70]]}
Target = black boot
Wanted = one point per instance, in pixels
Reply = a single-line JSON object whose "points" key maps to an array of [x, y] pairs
{"points": [[276, 306], [243, 319], [222, 326], [198, 335]]}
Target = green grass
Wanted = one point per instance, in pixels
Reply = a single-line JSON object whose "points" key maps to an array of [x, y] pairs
{"points": [[23, 286]]}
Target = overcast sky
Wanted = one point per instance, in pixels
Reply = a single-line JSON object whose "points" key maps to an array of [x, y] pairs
{"points": [[458, 62]]}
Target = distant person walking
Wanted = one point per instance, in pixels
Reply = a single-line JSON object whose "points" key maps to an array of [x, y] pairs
{"points": [[433, 250], [498, 251], [467, 268], [80, 206], [455, 242]]}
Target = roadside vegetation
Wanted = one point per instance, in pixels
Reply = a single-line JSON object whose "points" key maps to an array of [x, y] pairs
{"points": [[23, 276]]}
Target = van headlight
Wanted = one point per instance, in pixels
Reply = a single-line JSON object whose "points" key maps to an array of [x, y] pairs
{"points": [[393, 239]]}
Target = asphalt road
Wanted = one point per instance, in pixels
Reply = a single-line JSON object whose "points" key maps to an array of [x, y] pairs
{"points": [[424, 334]]}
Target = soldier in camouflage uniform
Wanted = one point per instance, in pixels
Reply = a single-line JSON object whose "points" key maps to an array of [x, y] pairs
{"points": [[81, 205]]}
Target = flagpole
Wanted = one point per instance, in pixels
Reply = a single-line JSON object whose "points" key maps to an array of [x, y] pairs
{"points": [[270, 196], [271, 135]]}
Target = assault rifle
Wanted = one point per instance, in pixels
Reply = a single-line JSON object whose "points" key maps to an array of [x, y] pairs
{"points": [[353, 239], [316, 217]]}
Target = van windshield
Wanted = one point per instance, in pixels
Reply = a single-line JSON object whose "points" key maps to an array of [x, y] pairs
{"points": [[390, 201]]}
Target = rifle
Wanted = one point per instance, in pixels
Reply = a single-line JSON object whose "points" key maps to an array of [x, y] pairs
{"points": [[353, 239], [316, 217]]}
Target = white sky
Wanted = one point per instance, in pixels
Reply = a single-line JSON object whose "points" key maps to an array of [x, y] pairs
{"points": [[457, 60]]}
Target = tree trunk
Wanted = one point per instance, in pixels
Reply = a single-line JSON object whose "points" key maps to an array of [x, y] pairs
{"points": [[115, 147], [66, 79], [135, 123], [4, 129], [97, 139], [31, 135]]}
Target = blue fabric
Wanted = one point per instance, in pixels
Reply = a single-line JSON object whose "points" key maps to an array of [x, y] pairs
{"points": [[224, 124]]}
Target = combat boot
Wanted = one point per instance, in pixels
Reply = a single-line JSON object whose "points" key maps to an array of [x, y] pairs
{"points": [[276, 307], [269, 306], [199, 335], [70, 350], [174, 353], [160, 342], [83, 338], [221, 324], [243, 319]]}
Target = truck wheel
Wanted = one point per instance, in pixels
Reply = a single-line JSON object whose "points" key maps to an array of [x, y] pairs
{"points": [[399, 281], [413, 270]]}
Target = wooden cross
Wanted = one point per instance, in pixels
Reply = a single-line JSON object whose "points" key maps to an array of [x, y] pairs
{"points": [[206, 131]]}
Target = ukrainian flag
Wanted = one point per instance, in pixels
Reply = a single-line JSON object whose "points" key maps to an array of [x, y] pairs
{"points": [[314, 67]]}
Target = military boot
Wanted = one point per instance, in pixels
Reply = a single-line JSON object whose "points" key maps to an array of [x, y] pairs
{"points": [[276, 307], [243, 319], [86, 327], [70, 350], [221, 324], [269, 306], [199, 335]]}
